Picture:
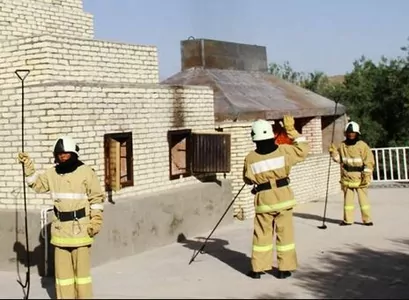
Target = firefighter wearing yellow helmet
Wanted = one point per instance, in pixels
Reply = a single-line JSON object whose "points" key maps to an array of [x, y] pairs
{"points": [[78, 206], [357, 163], [268, 168]]}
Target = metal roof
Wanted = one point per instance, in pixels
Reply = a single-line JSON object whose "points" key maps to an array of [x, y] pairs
{"points": [[245, 96]]}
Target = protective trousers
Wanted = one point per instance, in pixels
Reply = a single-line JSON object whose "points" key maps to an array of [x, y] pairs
{"points": [[265, 226], [73, 273], [349, 195]]}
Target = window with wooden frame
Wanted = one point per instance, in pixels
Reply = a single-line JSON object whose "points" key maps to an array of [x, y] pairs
{"points": [[118, 161], [198, 153]]}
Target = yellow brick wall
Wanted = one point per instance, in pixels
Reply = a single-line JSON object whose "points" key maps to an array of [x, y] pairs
{"points": [[87, 112]]}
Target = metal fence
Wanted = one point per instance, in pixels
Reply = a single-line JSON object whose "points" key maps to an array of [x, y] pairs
{"points": [[391, 164]]}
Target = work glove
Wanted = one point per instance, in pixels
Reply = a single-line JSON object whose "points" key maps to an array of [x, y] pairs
{"points": [[93, 229], [289, 127], [240, 214], [366, 179], [95, 224], [28, 164], [288, 123], [332, 149]]}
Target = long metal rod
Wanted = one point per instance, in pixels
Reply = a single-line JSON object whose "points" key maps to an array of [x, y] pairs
{"points": [[324, 226], [22, 74], [204, 243]]}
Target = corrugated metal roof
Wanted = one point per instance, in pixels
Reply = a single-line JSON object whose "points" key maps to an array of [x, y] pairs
{"points": [[245, 96]]}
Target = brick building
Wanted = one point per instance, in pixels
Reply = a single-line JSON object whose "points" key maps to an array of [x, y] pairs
{"points": [[245, 91], [107, 96]]}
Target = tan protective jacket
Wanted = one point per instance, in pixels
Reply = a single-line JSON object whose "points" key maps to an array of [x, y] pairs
{"points": [[358, 155], [71, 192], [262, 168]]}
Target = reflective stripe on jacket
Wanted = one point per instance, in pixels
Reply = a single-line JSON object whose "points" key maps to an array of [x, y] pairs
{"points": [[358, 155], [261, 168], [71, 192]]}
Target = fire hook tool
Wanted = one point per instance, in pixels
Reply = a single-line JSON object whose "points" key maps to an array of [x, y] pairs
{"points": [[201, 250], [324, 226], [22, 75]]}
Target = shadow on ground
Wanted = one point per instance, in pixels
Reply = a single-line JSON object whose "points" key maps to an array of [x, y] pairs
{"points": [[316, 217], [36, 260], [218, 249], [360, 273]]}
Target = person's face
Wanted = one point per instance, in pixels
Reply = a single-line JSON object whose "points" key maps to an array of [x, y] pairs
{"points": [[63, 157], [351, 135]]}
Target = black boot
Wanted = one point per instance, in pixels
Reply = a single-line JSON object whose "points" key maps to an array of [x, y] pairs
{"points": [[343, 223], [255, 275], [368, 224], [283, 274]]}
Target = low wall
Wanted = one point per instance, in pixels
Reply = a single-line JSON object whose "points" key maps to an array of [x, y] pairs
{"points": [[131, 225]]}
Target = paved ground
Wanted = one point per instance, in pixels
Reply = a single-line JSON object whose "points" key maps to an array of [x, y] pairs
{"points": [[339, 262]]}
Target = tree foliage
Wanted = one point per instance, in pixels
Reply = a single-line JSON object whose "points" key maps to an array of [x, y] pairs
{"points": [[376, 95]]}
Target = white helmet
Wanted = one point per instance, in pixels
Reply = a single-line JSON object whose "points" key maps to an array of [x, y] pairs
{"points": [[352, 127], [261, 130], [65, 144]]}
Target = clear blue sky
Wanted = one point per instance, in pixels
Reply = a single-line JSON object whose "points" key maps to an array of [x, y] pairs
{"points": [[325, 35]]}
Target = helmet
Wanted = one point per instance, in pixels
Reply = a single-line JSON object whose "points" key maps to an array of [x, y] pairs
{"points": [[261, 130], [352, 127], [65, 144]]}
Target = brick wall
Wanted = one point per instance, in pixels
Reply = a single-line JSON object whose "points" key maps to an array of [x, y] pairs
{"points": [[20, 18], [241, 144], [76, 4], [308, 179], [312, 131], [87, 112], [54, 58]]}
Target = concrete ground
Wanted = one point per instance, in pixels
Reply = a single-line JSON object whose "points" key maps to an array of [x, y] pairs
{"points": [[339, 262]]}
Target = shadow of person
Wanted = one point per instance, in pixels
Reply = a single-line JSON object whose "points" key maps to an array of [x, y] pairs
{"points": [[37, 259], [218, 249]]}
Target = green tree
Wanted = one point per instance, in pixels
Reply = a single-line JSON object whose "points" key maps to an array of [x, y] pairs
{"points": [[376, 95]]}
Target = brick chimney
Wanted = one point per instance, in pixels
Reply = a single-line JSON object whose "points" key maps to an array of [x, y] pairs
{"points": [[213, 54]]}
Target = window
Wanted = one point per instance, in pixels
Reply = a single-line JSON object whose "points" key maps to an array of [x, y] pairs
{"points": [[179, 142], [198, 153], [118, 161]]}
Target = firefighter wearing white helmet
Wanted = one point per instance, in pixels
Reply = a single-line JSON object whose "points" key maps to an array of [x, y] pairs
{"points": [[357, 163], [268, 168], [78, 208]]}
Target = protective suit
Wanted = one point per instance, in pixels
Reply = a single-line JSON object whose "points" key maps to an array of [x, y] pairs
{"points": [[357, 163], [78, 211], [268, 168]]}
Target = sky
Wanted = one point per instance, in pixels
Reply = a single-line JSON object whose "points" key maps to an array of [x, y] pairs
{"points": [[322, 35]]}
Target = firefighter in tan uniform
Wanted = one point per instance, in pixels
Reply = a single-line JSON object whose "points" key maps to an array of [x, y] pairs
{"points": [[357, 163], [268, 168], [78, 206]]}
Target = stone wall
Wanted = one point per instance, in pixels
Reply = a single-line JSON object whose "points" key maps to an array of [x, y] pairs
{"points": [[19, 18], [87, 112], [56, 58]]}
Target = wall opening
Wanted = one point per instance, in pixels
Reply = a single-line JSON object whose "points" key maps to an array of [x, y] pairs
{"points": [[118, 161], [198, 153], [179, 158]]}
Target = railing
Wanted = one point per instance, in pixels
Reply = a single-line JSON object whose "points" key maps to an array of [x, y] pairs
{"points": [[391, 164]]}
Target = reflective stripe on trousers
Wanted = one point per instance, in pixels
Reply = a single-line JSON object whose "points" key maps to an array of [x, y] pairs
{"points": [[71, 281], [279, 248], [265, 225], [275, 207]]}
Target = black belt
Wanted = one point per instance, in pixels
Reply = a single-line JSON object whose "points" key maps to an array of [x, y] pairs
{"points": [[267, 185], [65, 216], [353, 169]]}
